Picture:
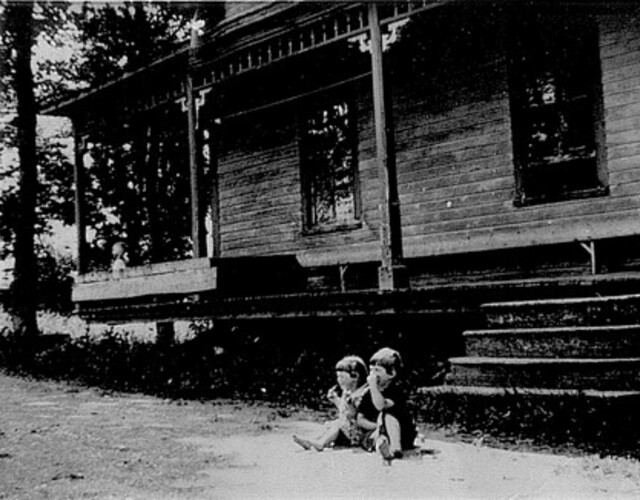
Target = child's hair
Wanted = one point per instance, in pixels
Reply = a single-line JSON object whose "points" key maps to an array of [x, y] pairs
{"points": [[387, 358], [354, 366], [118, 249]]}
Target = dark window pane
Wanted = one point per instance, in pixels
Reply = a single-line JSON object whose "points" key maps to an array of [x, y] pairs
{"points": [[328, 165], [553, 80], [543, 136], [578, 128]]}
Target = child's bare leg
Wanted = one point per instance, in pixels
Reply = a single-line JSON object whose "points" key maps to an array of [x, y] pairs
{"points": [[328, 437], [388, 444], [307, 444], [394, 434]]}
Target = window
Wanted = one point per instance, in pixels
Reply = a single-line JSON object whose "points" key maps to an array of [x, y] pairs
{"points": [[328, 147], [556, 109]]}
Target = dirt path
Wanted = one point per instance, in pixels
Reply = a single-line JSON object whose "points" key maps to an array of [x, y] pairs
{"points": [[61, 442]]}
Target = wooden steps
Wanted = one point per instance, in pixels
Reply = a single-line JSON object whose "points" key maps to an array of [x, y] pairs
{"points": [[567, 363], [552, 342], [585, 311], [598, 421], [567, 373], [529, 391], [574, 343]]}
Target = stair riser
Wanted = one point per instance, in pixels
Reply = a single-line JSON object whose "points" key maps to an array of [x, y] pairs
{"points": [[556, 315], [623, 376], [606, 424], [613, 344]]}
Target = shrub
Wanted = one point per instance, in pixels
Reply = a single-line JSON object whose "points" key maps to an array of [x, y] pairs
{"points": [[284, 361]]}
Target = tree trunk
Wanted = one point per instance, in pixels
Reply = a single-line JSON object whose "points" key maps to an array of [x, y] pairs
{"points": [[24, 284]]}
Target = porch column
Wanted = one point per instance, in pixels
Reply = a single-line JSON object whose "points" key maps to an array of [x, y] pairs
{"points": [[197, 232], [215, 192], [391, 273], [78, 177]]}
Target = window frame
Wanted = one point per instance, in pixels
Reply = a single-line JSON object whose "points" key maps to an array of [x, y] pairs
{"points": [[531, 177], [309, 227]]}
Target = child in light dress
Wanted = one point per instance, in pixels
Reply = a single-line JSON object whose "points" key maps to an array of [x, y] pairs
{"points": [[346, 395], [119, 258]]}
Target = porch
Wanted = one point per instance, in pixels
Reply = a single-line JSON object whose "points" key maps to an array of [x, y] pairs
{"points": [[278, 287], [222, 160]]}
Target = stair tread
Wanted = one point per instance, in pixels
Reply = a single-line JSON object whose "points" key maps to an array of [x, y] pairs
{"points": [[561, 301], [499, 391], [543, 282], [487, 360], [552, 329]]}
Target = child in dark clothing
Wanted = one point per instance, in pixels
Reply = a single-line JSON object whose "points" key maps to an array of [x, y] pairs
{"points": [[383, 409]]}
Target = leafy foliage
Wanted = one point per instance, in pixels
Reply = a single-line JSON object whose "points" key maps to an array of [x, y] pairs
{"points": [[81, 46], [54, 280], [117, 38], [268, 360], [139, 173]]}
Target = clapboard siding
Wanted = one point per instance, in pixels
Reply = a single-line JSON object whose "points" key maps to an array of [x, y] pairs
{"points": [[263, 208], [245, 192], [623, 151], [456, 178], [626, 163], [261, 196], [454, 160], [624, 72], [619, 102], [627, 137], [626, 177], [458, 220], [539, 233], [624, 125], [455, 137]]}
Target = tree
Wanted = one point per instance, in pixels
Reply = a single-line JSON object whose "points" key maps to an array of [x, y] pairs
{"points": [[108, 40], [20, 22], [35, 172], [139, 169]]}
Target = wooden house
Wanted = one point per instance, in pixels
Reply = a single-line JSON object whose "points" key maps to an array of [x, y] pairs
{"points": [[399, 158]]}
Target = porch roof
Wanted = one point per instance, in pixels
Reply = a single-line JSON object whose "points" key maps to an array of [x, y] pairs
{"points": [[177, 59], [254, 38]]}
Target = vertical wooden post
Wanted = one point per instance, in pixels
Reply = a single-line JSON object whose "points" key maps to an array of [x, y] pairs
{"points": [[197, 236], [391, 272], [215, 193], [153, 152], [78, 177]]}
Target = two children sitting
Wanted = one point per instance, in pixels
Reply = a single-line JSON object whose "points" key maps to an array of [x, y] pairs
{"points": [[372, 409]]}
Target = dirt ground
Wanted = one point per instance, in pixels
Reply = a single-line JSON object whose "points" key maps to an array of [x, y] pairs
{"points": [[63, 442]]}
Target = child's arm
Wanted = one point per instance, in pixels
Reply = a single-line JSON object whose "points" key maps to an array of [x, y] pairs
{"points": [[379, 401], [332, 395], [365, 423]]}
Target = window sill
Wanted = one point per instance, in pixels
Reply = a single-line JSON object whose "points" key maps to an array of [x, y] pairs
{"points": [[526, 201], [332, 228]]}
